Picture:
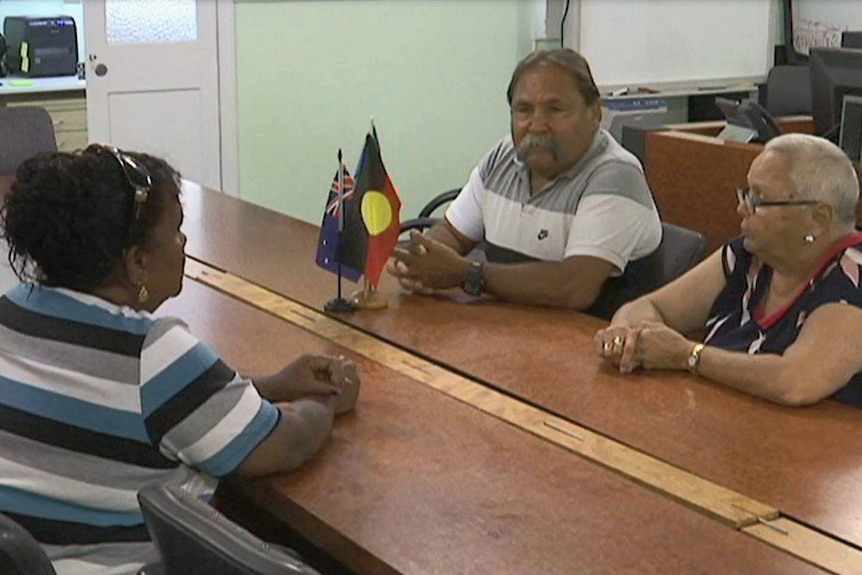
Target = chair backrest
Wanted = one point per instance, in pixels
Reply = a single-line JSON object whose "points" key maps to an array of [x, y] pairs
{"points": [[680, 250], [425, 219], [788, 90], [24, 132], [438, 201], [194, 539], [20, 553]]}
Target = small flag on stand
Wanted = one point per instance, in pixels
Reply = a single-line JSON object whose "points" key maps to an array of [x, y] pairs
{"points": [[341, 199], [360, 227], [376, 211]]}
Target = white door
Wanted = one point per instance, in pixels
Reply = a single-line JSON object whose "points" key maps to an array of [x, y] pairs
{"points": [[152, 81]]}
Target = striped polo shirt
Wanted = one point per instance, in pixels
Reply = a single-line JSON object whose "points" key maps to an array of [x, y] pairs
{"points": [[600, 207], [98, 400]]}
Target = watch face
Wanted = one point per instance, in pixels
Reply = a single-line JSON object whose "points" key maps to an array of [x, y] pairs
{"points": [[474, 283]]}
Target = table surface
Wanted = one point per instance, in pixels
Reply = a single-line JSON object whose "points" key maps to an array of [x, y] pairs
{"points": [[804, 462], [416, 482]]}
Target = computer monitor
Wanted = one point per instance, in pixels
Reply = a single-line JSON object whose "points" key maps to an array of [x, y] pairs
{"points": [[641, 112], [851, 128], [835, 73], [851, 39]]}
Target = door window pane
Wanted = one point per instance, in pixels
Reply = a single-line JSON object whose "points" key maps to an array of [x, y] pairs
{"points": [[151, 21]]}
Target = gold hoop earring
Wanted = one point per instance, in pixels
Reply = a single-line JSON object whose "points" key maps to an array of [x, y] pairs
{"points": [[143, 294]]}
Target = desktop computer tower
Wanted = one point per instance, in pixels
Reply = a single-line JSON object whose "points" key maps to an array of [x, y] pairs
{"points": [[41, 46]]}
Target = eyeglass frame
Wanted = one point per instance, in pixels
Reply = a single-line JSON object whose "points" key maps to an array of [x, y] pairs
{"points": [[131, 166], [142, 189], [751, 203]]}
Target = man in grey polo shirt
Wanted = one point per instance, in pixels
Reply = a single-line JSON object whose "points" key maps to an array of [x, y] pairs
{"points": [[562, 208]]}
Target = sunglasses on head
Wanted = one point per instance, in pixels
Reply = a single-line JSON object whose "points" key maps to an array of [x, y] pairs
{"points": [[137, 175]]}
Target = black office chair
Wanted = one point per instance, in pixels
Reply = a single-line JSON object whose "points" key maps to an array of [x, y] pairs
{"points": [[425, 219], [680, 250], [24, 132], [788, 90], [20, 553], [194, 539]]}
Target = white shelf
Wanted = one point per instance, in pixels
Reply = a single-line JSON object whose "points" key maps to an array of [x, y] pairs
{"points": [[683, 89], [37, 85]]}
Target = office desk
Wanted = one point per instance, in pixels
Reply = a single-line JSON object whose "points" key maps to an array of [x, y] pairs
{"points": [[693, 175], [13, 86], [806, 462], [415, 482]]}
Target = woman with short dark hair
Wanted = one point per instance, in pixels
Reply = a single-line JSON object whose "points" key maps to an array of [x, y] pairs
{"points": [[97, 396]]}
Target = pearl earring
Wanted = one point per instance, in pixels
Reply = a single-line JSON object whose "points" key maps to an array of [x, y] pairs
{"points": [[809, 239]]}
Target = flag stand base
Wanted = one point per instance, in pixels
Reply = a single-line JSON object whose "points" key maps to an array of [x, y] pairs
{"points": [[369, 299], [339, 305]]}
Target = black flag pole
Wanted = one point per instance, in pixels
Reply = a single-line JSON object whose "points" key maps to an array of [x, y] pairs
{"points": [[339, 304], [367, 289]]}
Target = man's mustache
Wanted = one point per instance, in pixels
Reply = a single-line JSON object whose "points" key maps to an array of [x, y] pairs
{"points": [[545, 141]]}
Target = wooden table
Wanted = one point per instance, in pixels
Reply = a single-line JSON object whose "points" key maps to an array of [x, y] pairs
{"points": [[805, 462], [416, 482]]}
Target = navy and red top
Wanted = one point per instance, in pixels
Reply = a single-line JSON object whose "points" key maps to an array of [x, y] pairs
{"points": [[736, 322]]}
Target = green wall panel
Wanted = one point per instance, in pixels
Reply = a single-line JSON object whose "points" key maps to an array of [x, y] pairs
{"points": [[311, 75]]}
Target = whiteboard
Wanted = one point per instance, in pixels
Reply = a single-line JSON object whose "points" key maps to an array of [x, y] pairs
{"points": [[645, 42]]}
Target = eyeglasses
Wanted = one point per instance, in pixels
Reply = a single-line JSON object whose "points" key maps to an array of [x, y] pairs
{"points": [[752, 202], [138, 177]]}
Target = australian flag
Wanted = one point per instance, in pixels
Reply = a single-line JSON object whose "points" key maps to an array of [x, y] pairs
{"points": [[341, 199]]}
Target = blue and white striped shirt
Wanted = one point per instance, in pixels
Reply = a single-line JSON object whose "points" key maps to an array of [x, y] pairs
{"points": [[98, 400]]}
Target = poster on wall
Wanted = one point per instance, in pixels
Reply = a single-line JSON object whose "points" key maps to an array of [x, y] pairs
{"points": [[819, 23]]}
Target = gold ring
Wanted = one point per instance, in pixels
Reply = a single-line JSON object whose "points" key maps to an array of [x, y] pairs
{"points": [[607, 347], [619, 340]]}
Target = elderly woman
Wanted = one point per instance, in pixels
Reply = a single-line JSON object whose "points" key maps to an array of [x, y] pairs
{"points": [[781, 304], [97, 396]]}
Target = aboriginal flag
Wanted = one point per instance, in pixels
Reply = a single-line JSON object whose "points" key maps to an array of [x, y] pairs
{"points": [[371, 224]]}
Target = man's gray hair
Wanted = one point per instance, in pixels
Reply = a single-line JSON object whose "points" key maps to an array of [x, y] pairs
{"points": [[564, 58], [820, 170]]}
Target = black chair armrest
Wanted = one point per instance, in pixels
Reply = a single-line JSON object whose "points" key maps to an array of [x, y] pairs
{"points": [[439, 201], [420, 224], [20, 553]]}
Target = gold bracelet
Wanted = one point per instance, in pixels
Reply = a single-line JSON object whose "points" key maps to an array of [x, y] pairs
{"points": [[694, 358]]}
